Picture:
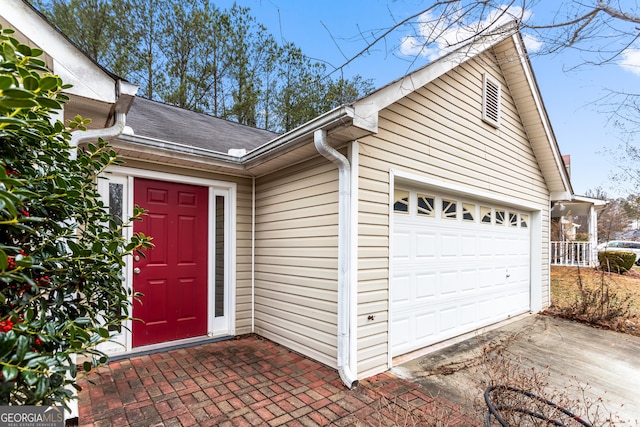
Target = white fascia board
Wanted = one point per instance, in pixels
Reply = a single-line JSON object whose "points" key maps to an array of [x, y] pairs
{"points": [[585, 199], [70, 64], [544, 118], [560, 196]]}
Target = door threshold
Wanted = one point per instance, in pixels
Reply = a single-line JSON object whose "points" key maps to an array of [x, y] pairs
{"points": [[160, 348]]}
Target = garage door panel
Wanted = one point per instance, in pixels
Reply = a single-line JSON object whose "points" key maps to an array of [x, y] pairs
{"points": [[449, 283], [485, 312], [469, 245], [401, 292], [468, 282], [468, 314], [426, 286], [401, 338], [500, 244], [486, 246], [449, 244], [486, 277], [402, 251], [425, 244], [448, 318], [427, 323], [455, 276]]}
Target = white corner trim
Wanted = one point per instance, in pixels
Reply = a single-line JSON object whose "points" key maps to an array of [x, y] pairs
{"points": [[390, 269]]}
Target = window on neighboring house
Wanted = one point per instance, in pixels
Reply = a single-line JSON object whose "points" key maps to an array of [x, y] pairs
{"points": [[491, 101]]}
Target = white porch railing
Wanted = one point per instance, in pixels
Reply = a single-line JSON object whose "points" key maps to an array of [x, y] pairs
{"points": [[572, 253]]}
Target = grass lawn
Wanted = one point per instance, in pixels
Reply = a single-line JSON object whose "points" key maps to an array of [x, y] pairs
{"points": [[623, 292]]}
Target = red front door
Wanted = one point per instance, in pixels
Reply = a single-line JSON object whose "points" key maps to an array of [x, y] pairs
{"points": [[173, 276]]}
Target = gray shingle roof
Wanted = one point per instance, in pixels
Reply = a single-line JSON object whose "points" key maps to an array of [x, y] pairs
{"points": [[173, 124]]}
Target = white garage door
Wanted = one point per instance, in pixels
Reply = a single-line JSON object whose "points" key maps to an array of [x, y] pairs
{"points": [[457, 265]]}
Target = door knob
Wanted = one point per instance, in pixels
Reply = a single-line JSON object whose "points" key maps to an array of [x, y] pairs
{"points": [[136, 270]]}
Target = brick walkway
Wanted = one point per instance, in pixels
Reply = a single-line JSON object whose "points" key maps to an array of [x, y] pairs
{"points": [[249, 382]]}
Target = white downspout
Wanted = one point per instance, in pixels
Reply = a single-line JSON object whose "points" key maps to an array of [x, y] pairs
{"points": [[344, 255], [253, 255], [78, 137]]}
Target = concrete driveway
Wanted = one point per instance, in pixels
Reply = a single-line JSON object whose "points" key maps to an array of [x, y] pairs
{"points": [[585, 362]]}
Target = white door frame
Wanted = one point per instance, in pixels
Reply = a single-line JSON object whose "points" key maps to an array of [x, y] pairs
{"points": [[223, 326]]}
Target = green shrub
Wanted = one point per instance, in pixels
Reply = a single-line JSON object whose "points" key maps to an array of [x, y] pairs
{"points": [[616, 261], [61, 254]]}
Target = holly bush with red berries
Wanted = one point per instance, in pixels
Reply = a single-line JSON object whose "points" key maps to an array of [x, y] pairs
{"points": [[61, 254]]}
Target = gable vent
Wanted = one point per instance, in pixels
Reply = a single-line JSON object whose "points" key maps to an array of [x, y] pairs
{"points": [[491, 101]]}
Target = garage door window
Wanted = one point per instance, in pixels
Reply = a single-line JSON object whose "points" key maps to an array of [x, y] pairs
{"points": [[485, 215], [468, 212], [513, 219], [426, 205], [401, 201], [420, 205], [449, 209]]}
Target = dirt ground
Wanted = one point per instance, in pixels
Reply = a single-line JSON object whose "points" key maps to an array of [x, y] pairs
{"points": [[619, 290]]}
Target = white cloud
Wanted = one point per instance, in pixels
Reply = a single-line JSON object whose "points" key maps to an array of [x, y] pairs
{"points": [[440, 35], [412, 46], [631, 60], [531, 43]]}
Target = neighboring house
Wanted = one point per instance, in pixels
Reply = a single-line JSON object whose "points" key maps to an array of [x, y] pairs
{"points": [[418, 214], [574, 228]]}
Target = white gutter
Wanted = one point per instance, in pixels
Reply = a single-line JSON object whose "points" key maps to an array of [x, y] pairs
{"points": [[344, 256], [124, 94], [338, 115], [78, 137]]}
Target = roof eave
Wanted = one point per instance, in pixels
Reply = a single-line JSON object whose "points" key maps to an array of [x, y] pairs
{"points": [[152, 150], [513, 59], [339, 124], [279, 152]]}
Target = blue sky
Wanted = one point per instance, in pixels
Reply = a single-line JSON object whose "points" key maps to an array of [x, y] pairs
{"points": [[335, 31]]}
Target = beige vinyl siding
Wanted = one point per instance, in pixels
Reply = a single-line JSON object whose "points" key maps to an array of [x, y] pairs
{"points": [[296, 258], [244, 215], [373, 266], [437, 132], [244, 202]]}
